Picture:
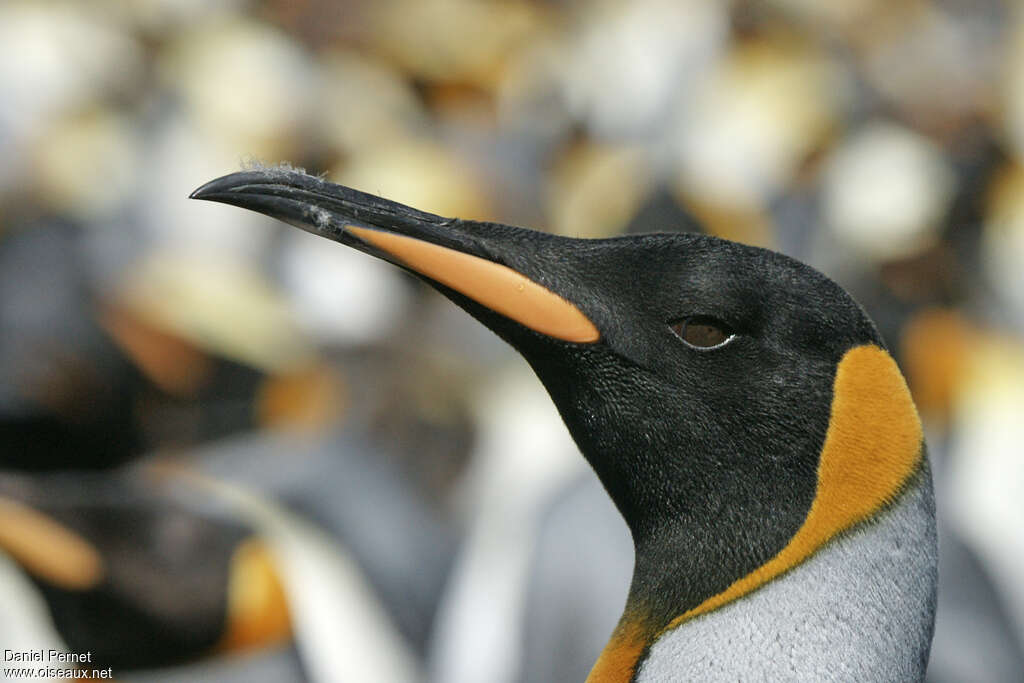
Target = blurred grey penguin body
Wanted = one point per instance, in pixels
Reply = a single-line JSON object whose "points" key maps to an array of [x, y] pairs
{"points": [[855, 611]]}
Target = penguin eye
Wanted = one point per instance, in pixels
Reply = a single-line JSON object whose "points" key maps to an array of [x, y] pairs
{"points": [[702, 332]]}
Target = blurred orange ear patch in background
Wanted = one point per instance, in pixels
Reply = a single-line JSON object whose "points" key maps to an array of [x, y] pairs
{"points": [[308, 399], [936, 349], [172, 363], [357, 412], [47, 549], [257, 613]]}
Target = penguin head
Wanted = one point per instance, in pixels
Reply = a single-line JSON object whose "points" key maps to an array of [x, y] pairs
{"points": [[698, 376], [719, 358]]}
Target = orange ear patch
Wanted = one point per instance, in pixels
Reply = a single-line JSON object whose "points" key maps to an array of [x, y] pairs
{"points": [[257, 606], [497, 287], [47, 549], [872, 447]]}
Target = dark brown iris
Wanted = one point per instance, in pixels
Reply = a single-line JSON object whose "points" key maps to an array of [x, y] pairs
{"points": [[702, 332]]}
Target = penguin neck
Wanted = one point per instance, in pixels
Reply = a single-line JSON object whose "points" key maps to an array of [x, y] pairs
{"points": [[677, 567], [706, 542], [877, 578], [861, 608]]}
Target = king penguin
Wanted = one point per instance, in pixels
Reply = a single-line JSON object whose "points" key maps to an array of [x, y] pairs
{"points": [[740, 409], [137, 577]]}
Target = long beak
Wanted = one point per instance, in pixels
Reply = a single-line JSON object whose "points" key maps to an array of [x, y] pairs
{"points": [[487, 263]]}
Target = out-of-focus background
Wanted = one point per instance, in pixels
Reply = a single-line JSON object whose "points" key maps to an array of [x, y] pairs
{"points": [[232, 451]]}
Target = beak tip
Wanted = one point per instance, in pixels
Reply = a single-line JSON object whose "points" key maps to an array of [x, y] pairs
{"points": [[233, 183], [203, 191]]}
